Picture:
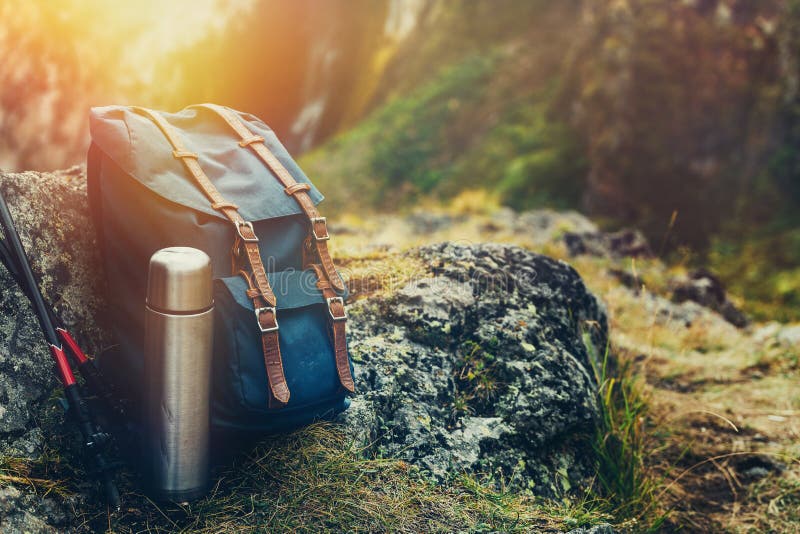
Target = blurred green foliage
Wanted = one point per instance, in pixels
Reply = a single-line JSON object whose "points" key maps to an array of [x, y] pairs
{"points": [[763, 268], [630, 111], [531, 159], [415, 148], [437, 141]]}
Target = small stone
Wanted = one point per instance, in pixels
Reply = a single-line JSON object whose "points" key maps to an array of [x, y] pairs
{"points": [[706, 289], [622, 244]]}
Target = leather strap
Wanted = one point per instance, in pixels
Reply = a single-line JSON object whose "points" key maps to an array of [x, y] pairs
{"points": [[245, 238], [338, 319], [318, 234], [270, 346], [316, 242]]}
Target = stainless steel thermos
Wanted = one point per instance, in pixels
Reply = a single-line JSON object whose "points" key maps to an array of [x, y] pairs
{"points": [[178, 348]]}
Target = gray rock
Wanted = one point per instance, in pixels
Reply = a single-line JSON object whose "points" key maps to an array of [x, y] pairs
{"points": [[550, 222], [628, 279], [783, 335], [22, 512], [706, 289], [622, 244], [482, 368], [758, 466], [423, 222], [543, 226], [667, 312], [51, 215], [789, 336], [540, 226]]}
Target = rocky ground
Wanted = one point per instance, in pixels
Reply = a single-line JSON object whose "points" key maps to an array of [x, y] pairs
{"points": [[473, 359]]}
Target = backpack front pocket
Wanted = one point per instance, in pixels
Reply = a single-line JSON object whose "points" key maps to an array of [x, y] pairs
{"points": [[240, 385]]}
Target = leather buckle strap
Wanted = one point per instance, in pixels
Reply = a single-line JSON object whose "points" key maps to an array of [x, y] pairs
{"points": [[181, 154], [267, 321], [337, 328], [253, 238], [324, 222], [267, 309], [298, 192], [261, 291], [223, 205], [340, 301], [294, 188], [250, 140]]}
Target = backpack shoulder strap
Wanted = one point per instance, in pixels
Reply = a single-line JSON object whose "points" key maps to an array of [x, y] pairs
{"points": [[318, 230], [315, 244], [263, 297]]}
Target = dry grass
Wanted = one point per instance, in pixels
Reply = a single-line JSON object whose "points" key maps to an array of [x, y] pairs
{"points": [[20, 472], [316, 480], [723, 417]]}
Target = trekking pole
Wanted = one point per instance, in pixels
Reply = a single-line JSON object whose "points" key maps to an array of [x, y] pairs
{"points": [[94, 439], [94, 379]]}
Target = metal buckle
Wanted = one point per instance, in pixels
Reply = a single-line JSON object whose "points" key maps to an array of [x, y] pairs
{"points": [[248, 224], [340, 300], [258, 312], [323, 220]]}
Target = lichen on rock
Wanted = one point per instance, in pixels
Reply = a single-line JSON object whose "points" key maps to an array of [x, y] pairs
{"points": [[482, 367]]}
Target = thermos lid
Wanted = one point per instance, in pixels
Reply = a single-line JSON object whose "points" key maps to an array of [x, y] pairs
{"points": [[179, 280]]}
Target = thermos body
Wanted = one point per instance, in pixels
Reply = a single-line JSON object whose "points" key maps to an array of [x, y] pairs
{"points": [[178, 350]]}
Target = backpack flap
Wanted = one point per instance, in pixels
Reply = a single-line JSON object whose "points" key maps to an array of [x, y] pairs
{"points": [[137, 146]]}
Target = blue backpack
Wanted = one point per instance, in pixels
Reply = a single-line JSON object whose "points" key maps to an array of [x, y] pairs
{"points": [[219, 180]]}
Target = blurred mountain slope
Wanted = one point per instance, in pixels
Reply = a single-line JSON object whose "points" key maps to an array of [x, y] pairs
{"points": [[679, 117], [676, 117]]}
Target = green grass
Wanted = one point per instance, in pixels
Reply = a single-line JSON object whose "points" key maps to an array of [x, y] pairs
{"points": [[763, 267], [475, 378], [624, 484]]}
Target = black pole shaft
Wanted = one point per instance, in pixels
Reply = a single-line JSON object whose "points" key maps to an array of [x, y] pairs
{"points": [[18, 251], [92, 437], [96, 382], [9, 262], [92, 443]]}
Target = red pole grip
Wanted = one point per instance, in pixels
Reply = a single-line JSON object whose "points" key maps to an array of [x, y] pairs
{"points": [[73, 345], [64, 370]]}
